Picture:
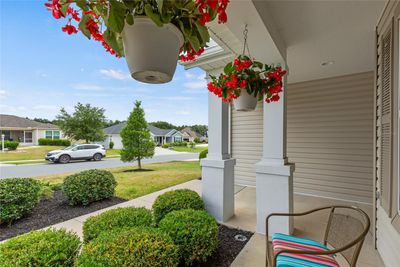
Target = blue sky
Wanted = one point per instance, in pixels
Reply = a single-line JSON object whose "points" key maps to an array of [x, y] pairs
{"points": [[44, 69]]}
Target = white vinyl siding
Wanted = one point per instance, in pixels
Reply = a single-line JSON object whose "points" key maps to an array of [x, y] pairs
{"points": [[246, 146], [330, 136]]}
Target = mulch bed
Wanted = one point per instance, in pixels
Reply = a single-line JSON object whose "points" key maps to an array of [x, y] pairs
{"points": [[228, 248], [52, 211]]}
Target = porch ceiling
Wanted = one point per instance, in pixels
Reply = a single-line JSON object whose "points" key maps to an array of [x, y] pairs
{"points": [[320, 31]]}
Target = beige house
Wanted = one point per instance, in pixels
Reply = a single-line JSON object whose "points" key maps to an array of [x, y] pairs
{"points": [[333, 137], [27, 132]]}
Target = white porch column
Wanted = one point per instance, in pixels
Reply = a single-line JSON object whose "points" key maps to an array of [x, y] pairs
{"points": [[217, 169], [274, 176]]}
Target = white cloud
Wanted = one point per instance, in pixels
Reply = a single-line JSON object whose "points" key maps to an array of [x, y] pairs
{"points": [[115, 74], [6, 109], [46, 108], [86, 87], [195, 83], [182, 112], [3, 94]]}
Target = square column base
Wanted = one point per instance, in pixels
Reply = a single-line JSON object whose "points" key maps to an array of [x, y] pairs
{"points": [[274, 194], [218, 189]]}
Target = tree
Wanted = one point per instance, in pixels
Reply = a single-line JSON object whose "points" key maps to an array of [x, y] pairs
{"points": [[86, 123], [163, 125], [201, 129], [136, 139]]}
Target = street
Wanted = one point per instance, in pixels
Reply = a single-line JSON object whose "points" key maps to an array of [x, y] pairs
{"points": [[32, 170]]}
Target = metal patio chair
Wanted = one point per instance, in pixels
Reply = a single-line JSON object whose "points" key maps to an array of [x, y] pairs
{"points": [[345, 234]]}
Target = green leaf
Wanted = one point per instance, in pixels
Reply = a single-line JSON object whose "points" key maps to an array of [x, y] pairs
{"points": [[82, 26], [166, 18], [194, 42], [129, 19], [64, 8], [160, 5], [111, 39], [82, 4], [203, 31], [153, 16], [116, 19], [228, 68]]}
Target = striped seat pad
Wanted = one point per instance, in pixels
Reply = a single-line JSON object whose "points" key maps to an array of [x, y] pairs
{"points": [[282, 241]]}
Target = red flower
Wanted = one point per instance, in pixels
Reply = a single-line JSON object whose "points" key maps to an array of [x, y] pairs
{"points": [[243, 84], [275, 98], [222, 17], [205, 18], [74, 14], [233, 82], [212, 4], [55, 8], [69, 29]]}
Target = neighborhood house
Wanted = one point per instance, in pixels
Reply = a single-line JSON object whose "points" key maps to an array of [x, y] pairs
{"points": [[190, 135], [160, 136], [25, 131]]}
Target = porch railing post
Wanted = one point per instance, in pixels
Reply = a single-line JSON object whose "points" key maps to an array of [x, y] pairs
{"points": [[218, 167], [274, 176]]}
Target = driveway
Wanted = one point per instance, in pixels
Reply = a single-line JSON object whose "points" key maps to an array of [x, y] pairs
{"points": [[49, 169]]}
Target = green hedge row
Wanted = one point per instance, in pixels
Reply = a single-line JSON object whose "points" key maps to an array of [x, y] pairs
{"points": [[54, 142], [10, 145]]}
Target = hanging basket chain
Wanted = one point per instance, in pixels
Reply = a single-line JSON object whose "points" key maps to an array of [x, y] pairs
{"points": [[245, 45]]}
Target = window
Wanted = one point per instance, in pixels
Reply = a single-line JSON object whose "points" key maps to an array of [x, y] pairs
{"points": [[52, 134], [49, 135], [178, 138], [56, 134]]}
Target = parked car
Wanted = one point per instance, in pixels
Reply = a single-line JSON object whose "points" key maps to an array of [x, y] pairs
{"points": [[77, 152]]}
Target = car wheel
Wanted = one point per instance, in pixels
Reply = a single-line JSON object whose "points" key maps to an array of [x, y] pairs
{"points": [[97, 157], [64, 159]]}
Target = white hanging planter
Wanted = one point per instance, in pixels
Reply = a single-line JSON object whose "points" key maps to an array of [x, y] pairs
{"points": [[245, 102], [151, 52]]}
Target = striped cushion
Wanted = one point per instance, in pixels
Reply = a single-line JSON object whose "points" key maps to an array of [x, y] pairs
{"points": [[281, 241]]}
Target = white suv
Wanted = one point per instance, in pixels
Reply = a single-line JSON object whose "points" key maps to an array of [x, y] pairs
{"points": [[77, 152]]}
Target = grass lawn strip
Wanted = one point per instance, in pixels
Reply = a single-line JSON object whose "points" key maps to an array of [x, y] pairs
{"points": [[188, 149], [133, 184]]}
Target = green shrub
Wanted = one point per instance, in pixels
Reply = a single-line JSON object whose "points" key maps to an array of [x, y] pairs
{"points": [[195, 232], [18, 196], [10, 145], [165, 146], [203, 154], [54, 142], [176, 200], [179, 144], [111, 144], [192, 144], [88, 186], [134, 247], [40, 248], [197, 140], [116, 218]]}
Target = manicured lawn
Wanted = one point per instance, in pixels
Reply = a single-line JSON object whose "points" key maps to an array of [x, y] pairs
{"points": [[113, 153], [188, 149], [27, 153], [132, 184]]}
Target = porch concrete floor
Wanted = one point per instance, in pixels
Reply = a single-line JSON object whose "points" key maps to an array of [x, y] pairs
{"points": [[253, 253], [311, 226]]}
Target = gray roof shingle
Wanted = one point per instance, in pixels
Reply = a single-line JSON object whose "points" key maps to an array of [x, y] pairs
{"points": [[12, 121], [116, 129]]}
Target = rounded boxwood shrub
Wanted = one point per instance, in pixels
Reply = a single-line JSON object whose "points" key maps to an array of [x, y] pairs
{"points": [[18, 196], [203, 154], [116, 218], [195, 232], [10, 145], [130, 247], [40, 248], [176, 200], [89, 186]]}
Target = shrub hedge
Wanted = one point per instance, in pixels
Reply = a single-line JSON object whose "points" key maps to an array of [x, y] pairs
{"points": [[195, 232], [130, 247], [18, 196], [111, 144], [88, 186], [203, 154], [54, 142], [10, 145], [165, 146], [176, 200], [179, 144], [114, 219], [46, 248]]}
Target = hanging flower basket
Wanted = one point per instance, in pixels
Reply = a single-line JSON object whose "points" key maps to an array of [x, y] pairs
{"points": [[244, 82], [147, 61], [245, 101], [152, 45]]}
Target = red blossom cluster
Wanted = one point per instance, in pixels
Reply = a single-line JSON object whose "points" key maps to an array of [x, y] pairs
{"points": [[244, 74], [204, 7], [92, 24]]}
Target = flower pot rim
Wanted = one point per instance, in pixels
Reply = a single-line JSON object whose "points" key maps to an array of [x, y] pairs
{"points": [[170, 26]]}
